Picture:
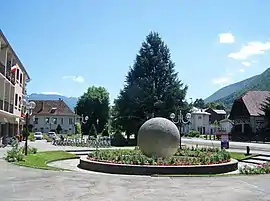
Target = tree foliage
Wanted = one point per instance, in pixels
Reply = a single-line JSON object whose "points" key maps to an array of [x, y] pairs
{"points": [[266, 109], [94, 103], [78, 129], [215, 105], [199, 103], [93, 131], [151, 87], [58, 129]]}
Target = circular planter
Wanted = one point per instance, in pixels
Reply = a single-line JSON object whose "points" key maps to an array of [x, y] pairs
{"points": [[113, 168]]}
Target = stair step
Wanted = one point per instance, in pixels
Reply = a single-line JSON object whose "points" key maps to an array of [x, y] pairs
{"points": [[262, 158], [264, 155], [80, 153], [253, 161]]}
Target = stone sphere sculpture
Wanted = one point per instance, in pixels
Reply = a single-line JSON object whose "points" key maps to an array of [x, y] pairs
{"points": [[158, 137]]}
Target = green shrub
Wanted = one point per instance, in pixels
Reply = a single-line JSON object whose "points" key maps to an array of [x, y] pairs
{"points": [[46, 137], [195, 156], [15, 154], [31, 137], [193, 134]]}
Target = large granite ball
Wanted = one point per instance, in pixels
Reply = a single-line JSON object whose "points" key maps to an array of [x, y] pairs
{"points": [[158, 137]]}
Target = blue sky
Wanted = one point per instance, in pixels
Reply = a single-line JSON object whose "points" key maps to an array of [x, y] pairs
{"points": [[67, 46]]}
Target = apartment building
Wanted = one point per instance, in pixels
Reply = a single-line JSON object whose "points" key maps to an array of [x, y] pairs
{"points": [[48, 114], [13, 78]]}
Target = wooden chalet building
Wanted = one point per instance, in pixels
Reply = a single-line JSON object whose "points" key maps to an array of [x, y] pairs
{"points": [[246, 112]]}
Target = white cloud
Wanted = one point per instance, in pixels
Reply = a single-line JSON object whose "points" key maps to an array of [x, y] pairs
{"points": [[78, 79], [222, 80], [226, 38], [241, 70], [51, 93], [246, 63], [252, 48]]}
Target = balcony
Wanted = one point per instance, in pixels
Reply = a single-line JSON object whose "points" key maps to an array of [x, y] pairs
{"points": [[7, 107], [1, 105], [10, 76]]}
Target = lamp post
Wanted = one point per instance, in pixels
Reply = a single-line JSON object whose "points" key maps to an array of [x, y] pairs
{"points": [[180, 121], [83, 121], [29, 106]]}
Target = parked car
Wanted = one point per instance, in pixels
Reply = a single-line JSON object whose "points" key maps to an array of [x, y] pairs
{"points": [[52, 135], [38, 135]]}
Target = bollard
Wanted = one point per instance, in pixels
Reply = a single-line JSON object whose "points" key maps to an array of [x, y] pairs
{"points": [[248, 151]]}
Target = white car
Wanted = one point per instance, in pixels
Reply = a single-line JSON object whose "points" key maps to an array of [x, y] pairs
{"points": [[38, 135], [52, 135]]}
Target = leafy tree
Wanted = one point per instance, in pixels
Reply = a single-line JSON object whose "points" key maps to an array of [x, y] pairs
{"points": [[266, 109], [58, 129], [151, 87], [105, 132], [199, 103], [93, 131], [216, 105], [95, 104], [78, 128]]}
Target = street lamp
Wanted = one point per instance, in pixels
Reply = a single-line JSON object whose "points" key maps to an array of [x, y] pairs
{"points": [[50, 123], [180, 121], [83, 121], [29, 106]]}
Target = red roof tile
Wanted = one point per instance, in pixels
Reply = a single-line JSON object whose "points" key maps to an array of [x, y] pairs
{"points": [[52, 107], [254, 100]]}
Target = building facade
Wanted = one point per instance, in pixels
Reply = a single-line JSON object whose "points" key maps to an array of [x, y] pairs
{"points": [[48, 114], [200, 121], [13, 79], [246, 112], [216, 115]]}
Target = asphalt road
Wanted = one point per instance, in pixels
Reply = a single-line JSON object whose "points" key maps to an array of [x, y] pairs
{"points": [[233, 145]]}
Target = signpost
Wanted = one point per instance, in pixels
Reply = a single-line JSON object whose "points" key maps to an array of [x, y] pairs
{"points": [[224, 141]]}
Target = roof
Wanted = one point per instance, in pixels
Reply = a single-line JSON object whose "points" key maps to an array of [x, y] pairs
{"points": [[13, 52], [220, 111], [253, 101], [196, 110], [226, 120], [52, 107]]}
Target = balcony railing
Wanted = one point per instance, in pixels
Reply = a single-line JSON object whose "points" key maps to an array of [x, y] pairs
{"points": [[1, 104], [6, 104], [11, 108], [10, 76]]}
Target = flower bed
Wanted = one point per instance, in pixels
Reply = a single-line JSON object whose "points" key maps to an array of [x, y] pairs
{"points": [[259, 169], [183, 157]]}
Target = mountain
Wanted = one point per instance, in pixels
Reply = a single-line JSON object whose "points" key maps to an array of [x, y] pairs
{"points": [[228, 94], [70, 101]]}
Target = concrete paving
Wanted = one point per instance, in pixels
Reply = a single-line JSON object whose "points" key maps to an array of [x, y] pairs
{"points": [[26, 184]]}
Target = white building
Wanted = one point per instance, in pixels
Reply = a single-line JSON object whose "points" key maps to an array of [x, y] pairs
{"points": [[48, 114], [226, 125], [200, 121], [13, 78]]}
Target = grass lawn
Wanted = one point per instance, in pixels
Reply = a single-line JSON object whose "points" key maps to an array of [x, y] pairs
{"points": [[240, 156], [40, 159]]}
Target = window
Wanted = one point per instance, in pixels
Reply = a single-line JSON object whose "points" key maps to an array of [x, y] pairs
{"points": [[21, 77], [199, 117], [62, 121], [16, 100], [47, 120], [20, 100], [18, 74], [55, 120], [70, 121], [36, 121]]}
